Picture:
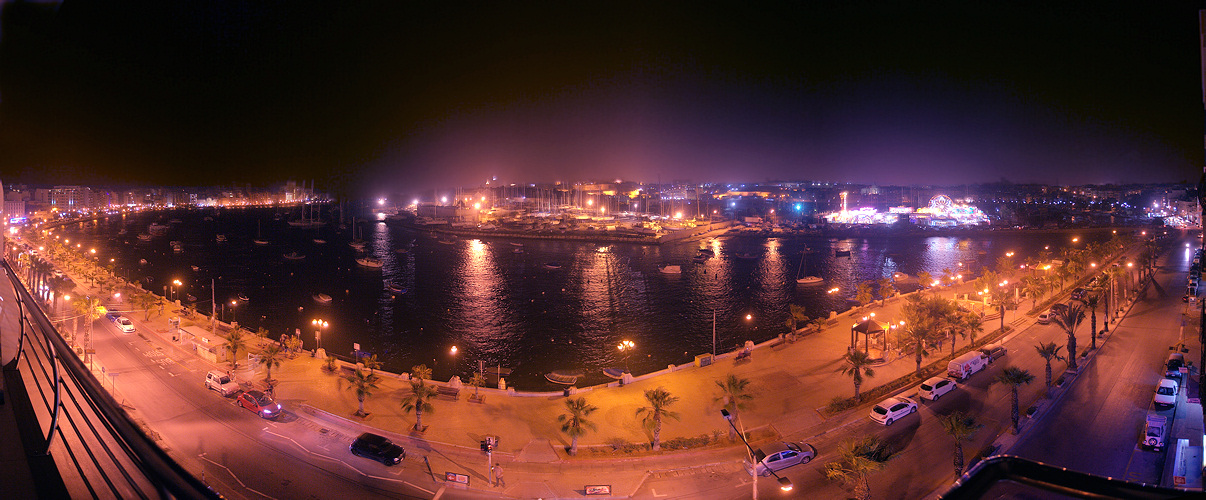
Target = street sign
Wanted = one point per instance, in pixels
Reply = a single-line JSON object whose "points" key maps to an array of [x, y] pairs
{"points": [[598, 489], [453, 477]]}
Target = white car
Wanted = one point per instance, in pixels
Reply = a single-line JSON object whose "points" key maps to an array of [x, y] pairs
{"points": [[778, 456], [1166, 393], [1044, 318], [892, 409], [935, 387], [124, 324]]}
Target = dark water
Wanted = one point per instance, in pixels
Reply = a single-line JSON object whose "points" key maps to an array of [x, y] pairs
{"points": [[510, 309]]}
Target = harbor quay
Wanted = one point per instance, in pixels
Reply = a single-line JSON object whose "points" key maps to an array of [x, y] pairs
{"points": [[792, 379]]}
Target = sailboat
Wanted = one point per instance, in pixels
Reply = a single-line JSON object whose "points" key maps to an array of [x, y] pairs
{"points": [[308, 220], [259, 238], [356, 242], [806, 280]]}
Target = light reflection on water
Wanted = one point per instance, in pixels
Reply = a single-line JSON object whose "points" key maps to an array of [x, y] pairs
{"points": [[508, 308]]}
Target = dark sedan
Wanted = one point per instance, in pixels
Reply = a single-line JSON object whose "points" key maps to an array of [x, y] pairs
{"points": [[378, 448]]}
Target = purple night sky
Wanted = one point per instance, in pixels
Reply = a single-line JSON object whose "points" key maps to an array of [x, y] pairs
{"points": [[412, 96]]}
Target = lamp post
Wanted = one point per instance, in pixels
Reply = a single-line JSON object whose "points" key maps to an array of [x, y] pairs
{"points": [[453, 352], [626, 347], [319, 324], [784, 483], [175, 284]]}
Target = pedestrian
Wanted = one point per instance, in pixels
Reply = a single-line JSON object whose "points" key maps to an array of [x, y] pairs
{"points": [[498, 476]]}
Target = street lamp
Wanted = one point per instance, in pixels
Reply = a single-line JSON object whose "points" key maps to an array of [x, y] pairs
{"points": [[318, 326], [175, 283], [452, 352], [784, 483], [626, 347]]}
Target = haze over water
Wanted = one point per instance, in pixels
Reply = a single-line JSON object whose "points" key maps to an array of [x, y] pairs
{"points": [[511, 309]]}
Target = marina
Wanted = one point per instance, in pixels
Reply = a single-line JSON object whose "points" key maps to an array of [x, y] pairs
{"points": [[562, 297]]}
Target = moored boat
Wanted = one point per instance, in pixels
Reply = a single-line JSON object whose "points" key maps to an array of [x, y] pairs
{"points": [[670, 269], [552, 265], [294, 256], [562, 377], [369, 262], [322, 298]]}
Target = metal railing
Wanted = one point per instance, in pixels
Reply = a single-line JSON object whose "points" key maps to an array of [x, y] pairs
{"points": [[79, 441]]}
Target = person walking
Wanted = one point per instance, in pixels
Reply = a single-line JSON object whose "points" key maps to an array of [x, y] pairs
{"points": [[498, 476]]}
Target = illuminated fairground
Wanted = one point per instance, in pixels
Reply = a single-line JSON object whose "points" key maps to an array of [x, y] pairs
{"points": [[941, 212]]}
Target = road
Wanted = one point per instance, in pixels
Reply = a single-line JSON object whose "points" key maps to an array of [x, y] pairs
{"points": [[1099, 420], [233, 450]]}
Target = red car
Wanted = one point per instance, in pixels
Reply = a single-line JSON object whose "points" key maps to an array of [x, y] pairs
{"points": [[259, 403]]}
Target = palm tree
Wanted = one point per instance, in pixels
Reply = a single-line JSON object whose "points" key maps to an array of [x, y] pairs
{"points": [[925, 279], [659, 400], [477, 380], [235, 342], [1091, 300], [371, 363], [1034, 287], [1014, 377], [864, 296], [1049, 351], [419, 400], [798, 315], [857, 459], [734, 393], [575, 423], [858, 365], [886, 289], [364, 383], [420, 372], [961, 427], [271, 358], [971, 322], [1068, 319]]}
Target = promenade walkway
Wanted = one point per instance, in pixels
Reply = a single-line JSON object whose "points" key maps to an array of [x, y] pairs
{"points": [[790, 384]]}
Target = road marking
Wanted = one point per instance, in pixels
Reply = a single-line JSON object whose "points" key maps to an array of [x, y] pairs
{"points": [[232, 474], [656, 495]]}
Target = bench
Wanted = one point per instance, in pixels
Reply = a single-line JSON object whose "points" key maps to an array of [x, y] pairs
{"points": [[451, 392]]}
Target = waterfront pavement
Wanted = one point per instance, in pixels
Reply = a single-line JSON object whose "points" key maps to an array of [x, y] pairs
{"points": [[791, 383]]}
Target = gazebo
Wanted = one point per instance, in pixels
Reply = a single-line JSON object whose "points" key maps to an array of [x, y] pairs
{"points": [[865, 326]]}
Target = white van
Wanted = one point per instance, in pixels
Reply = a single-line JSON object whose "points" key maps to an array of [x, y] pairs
{"points": [[965, 365]]}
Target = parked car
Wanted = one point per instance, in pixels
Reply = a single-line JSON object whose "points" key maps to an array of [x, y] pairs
{"points": [[966, 364], [935, 387], [1154, 432], [778, 456], [124, 324], [221, 382], [1044, 318], [1172, 367], [378, 448], [892, 409], [1078, 294], [1166, 393], [993, 351], [260, 403]]}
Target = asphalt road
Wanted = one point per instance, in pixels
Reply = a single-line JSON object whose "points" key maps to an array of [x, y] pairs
{"points": [[1096, 426], [238, 453]]}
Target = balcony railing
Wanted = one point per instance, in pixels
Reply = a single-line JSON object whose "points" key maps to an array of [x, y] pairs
{"points": [[79, 442]]}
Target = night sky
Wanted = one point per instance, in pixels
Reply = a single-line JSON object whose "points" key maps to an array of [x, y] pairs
{"points": [[367, 97]]}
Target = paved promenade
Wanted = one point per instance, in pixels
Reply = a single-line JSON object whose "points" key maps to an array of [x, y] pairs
{"points": [[791, 383]]}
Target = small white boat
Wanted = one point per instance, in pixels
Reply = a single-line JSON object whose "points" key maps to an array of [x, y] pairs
{"points": [[670, 269], [516, 244], [517, 250], [552, 265], [319, 241], [394, 287], [899, 276], [260, 242], [294, 256], [144, 237], [221, 238], [322, 298], [810, 280], [196, 268], [142, 261], [369, 262]]}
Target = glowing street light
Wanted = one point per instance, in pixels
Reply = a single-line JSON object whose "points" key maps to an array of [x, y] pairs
{"points": [[626, 347], [319, 324]]}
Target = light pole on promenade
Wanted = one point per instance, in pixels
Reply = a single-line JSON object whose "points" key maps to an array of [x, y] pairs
{"points": [[784, 483]]}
